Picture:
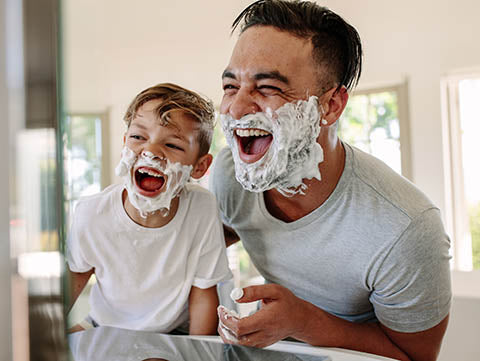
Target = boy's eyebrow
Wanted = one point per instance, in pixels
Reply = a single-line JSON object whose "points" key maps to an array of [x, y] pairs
{"points": [[274, 74], [139, 125], [180, 137]]}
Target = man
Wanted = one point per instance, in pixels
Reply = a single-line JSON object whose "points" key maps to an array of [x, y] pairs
{"points": [[353, 254]]}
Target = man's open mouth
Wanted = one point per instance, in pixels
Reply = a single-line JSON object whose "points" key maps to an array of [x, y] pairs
{"points": [[252, 143], [149, 181]]}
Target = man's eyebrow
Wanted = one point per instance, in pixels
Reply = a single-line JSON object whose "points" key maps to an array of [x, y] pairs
{"points": [[272, 75], [260, 76]]}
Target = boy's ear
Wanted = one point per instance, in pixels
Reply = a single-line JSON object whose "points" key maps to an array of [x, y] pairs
{"points": [[202, 165]]}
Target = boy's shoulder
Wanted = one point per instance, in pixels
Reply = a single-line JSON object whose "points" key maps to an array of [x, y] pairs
{"points": [[96, 203], [200, 196]]}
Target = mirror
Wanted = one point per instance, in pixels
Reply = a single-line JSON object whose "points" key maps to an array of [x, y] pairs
{"points": [[112, 50]]}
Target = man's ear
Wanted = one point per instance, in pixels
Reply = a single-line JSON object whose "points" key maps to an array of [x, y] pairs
{"points": [[202, 165], [335, 104]]}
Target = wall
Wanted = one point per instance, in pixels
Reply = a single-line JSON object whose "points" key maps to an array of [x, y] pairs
{"points": [[421, 40], [114, 49]]}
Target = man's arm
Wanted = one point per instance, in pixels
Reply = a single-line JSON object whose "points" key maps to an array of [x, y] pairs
{"points": [[77, 284], [202, 304], [283, 315], [231, 236]]}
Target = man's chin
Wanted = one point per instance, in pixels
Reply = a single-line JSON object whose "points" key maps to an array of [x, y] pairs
{"points": [[250, 158]]}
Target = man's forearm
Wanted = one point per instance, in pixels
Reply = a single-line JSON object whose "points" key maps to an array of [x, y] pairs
{"points": [[324, 329]]}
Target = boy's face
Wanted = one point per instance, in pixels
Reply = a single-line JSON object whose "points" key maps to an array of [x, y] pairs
{"points": [[175, 140]]}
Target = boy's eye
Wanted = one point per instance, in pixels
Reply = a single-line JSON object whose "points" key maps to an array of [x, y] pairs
{"points": [[136, 137], [173, 146]]}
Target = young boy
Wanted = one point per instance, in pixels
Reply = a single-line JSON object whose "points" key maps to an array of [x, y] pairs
{"points": [[155, 243]]}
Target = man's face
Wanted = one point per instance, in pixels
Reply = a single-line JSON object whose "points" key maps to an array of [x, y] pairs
{"points": [[175, 140], [268, 68]]}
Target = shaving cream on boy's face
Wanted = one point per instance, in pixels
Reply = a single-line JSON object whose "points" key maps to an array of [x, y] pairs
{"points": [[151, 182], [293, 154]]}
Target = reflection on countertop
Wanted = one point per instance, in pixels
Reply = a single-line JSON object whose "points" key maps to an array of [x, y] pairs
{"points": [[107, 343]]}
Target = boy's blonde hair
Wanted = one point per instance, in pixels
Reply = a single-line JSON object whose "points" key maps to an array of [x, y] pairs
{"points": [[177, 98]]}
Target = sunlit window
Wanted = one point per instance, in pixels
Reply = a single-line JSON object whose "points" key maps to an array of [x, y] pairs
{"points": [[463, 175], [85, 157], [373, 122]]}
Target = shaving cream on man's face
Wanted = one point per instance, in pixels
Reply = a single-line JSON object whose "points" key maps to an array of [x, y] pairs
{"points": [[151, 182], [287, 139]]}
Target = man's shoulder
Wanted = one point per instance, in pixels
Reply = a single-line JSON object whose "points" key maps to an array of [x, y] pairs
{"points": [[385, 183], [222, 179]]}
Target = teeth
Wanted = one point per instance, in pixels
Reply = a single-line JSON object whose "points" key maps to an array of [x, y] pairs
{"points": [[251, 132], [149, 172]]}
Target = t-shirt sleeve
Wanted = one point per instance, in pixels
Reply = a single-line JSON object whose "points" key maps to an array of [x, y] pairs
{"points": [[212, 266], [412, 290], [76, 241]]}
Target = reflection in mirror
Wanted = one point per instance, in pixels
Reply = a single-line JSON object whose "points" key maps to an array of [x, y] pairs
{"points": [[108, 343]]}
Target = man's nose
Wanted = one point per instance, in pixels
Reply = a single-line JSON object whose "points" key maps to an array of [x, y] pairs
{"points": [[243, 103]]}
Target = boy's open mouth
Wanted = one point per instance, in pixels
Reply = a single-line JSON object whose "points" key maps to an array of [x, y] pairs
{"points": [[252, 143], [149, 181]]}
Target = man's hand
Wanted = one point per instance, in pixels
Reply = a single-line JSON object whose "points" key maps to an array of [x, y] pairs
{"points": [[282, 314]]}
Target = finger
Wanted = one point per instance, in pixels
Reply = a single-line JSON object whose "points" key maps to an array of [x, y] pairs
{"points": [[261, 320], [258, 339], [260, 292], [226, 335], [228, 319]]}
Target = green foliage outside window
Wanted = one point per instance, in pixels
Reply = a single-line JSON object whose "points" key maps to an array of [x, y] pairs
{"points": [[474, 212], [370, 123]]}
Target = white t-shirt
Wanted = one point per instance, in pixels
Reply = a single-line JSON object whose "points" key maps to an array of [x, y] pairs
{"points": [[144, 275]]}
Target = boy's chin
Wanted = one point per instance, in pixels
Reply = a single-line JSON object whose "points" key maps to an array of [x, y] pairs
{"points": [[148, 194]]}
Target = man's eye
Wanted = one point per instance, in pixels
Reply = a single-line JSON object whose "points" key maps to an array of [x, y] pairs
{"points": [[269, 90], [173, 146], [229, 88]]}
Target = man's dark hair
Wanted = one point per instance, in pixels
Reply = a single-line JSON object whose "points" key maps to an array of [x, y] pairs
{"points": [[336, 44]]}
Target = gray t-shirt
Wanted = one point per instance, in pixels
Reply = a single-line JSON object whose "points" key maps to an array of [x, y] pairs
{"points": [[374, 250]]}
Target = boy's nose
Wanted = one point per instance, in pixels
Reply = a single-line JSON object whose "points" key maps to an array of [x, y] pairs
{"points": [[153, 155]]}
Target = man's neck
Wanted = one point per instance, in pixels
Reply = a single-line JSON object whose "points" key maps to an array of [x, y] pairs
{"points": [[152, 220], [290, 209]]}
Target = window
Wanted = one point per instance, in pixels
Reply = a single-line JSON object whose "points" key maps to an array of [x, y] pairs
{"points": [[86, 164], [461, 129], [375, 121], [86, 156]]}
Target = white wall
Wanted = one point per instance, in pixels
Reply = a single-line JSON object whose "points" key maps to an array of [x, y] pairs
{"points": [[113, 49]]}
